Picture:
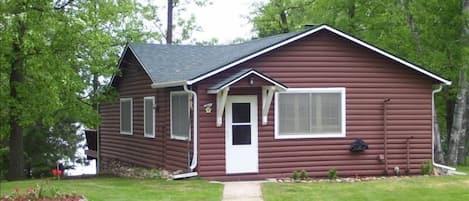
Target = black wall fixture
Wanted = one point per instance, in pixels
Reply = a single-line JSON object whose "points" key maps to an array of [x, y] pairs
{"points": [[358, 146]]}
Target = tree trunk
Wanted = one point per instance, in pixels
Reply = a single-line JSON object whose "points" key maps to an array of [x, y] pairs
{"points": [[439, 156], [351, 14], [169, 28], [284, 21], [462, 152], [457, 129], [449, 118], [16, 152], [412, 26]]}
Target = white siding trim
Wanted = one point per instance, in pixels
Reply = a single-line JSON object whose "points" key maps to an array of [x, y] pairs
{"points": [[152, 134], [171, 115], [340, 90], [131, 116]]}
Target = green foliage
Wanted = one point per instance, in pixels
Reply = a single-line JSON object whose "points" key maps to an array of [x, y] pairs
{"points": [[123, 189], [58, 142], [453, 188], [427, 167], [62, 54], [303, 175], [427, 33], [39, 192], [295, 176], [332, 174]]}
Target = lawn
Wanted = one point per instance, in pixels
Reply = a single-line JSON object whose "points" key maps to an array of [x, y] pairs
{"points": [[115, 189], [415, 189]]}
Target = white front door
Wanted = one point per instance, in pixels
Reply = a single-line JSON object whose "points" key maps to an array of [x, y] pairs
{"points": [[241, 135]]}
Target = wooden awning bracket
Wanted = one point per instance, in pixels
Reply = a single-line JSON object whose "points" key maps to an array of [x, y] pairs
{"points": [[267, 96], [221, 102]]}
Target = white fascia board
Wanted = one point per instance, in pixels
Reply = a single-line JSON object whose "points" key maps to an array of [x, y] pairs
{"points": [[168, 84], [362, 43]]}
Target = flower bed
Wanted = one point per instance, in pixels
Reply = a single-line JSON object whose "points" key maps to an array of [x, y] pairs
{"points": [[41, 193]]}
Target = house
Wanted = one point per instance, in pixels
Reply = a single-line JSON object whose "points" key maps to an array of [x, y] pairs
{"points": [[268, 107]]}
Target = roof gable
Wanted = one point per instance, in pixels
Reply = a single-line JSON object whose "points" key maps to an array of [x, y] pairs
{"points": [[240, 75], [175, 65]]}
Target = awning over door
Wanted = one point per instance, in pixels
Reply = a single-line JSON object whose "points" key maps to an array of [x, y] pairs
{"points": [[246, 78]]}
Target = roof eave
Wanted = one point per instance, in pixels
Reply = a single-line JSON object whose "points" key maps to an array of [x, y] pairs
{"points": [[168, 84]]}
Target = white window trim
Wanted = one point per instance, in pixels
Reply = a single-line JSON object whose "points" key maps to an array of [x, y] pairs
{"points": [[131, 116], [152, 134], [171, 115], [312, 90]]}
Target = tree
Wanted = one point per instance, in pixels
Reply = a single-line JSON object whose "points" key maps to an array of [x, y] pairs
{"points": [[179, 25], [426, 32], [52, 55], [457, 142]]}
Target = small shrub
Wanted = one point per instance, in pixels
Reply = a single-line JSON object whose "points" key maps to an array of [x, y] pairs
{"points": [[295, 175], [303, 175], [426, 167], [332, 174]]}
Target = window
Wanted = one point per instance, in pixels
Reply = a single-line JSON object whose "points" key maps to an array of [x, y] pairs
{"points": [[310, 113], [179, 115], [126, 116], [149, 116]]}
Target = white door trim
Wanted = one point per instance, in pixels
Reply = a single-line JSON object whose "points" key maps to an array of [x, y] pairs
{"points": [[241, 158]]}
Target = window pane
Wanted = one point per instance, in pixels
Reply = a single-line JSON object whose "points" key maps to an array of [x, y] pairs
{"points": [[125, 113], [309, 113], [293, 113], [241, 134], [180, 115], [331, 113], [241, 112], [149, 117]]}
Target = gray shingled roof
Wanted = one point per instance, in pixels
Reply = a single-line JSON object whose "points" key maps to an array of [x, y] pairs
{"points": [[166, 63]]}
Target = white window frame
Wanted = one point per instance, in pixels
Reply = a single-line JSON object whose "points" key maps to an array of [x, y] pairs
{"points": [[340, 90], [131, 116], [175, 137], [152, 134]]}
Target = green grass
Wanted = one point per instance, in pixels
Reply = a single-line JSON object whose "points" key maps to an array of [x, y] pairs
{"points": [[124, 189], [400, 189]]}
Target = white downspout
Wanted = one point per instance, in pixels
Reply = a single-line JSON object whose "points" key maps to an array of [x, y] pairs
{"points": [[449, 169], [194, 125]]}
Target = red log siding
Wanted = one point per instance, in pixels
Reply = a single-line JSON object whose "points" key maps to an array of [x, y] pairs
{"points": [[160, 151], [326, 60]]}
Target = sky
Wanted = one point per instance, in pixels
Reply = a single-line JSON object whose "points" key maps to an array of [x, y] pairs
{"points": [[225, 20]]}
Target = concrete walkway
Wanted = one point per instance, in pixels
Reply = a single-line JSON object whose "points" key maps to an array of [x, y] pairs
{"points": [[242, 191]]}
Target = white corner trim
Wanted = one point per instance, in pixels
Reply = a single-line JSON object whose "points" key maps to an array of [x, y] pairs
{"points": [[175, 137], [342, 34], [340, 90], [131, 116], [145, 134]]}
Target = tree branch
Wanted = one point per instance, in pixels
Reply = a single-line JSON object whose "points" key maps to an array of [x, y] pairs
{"points": [[62, 7]]}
